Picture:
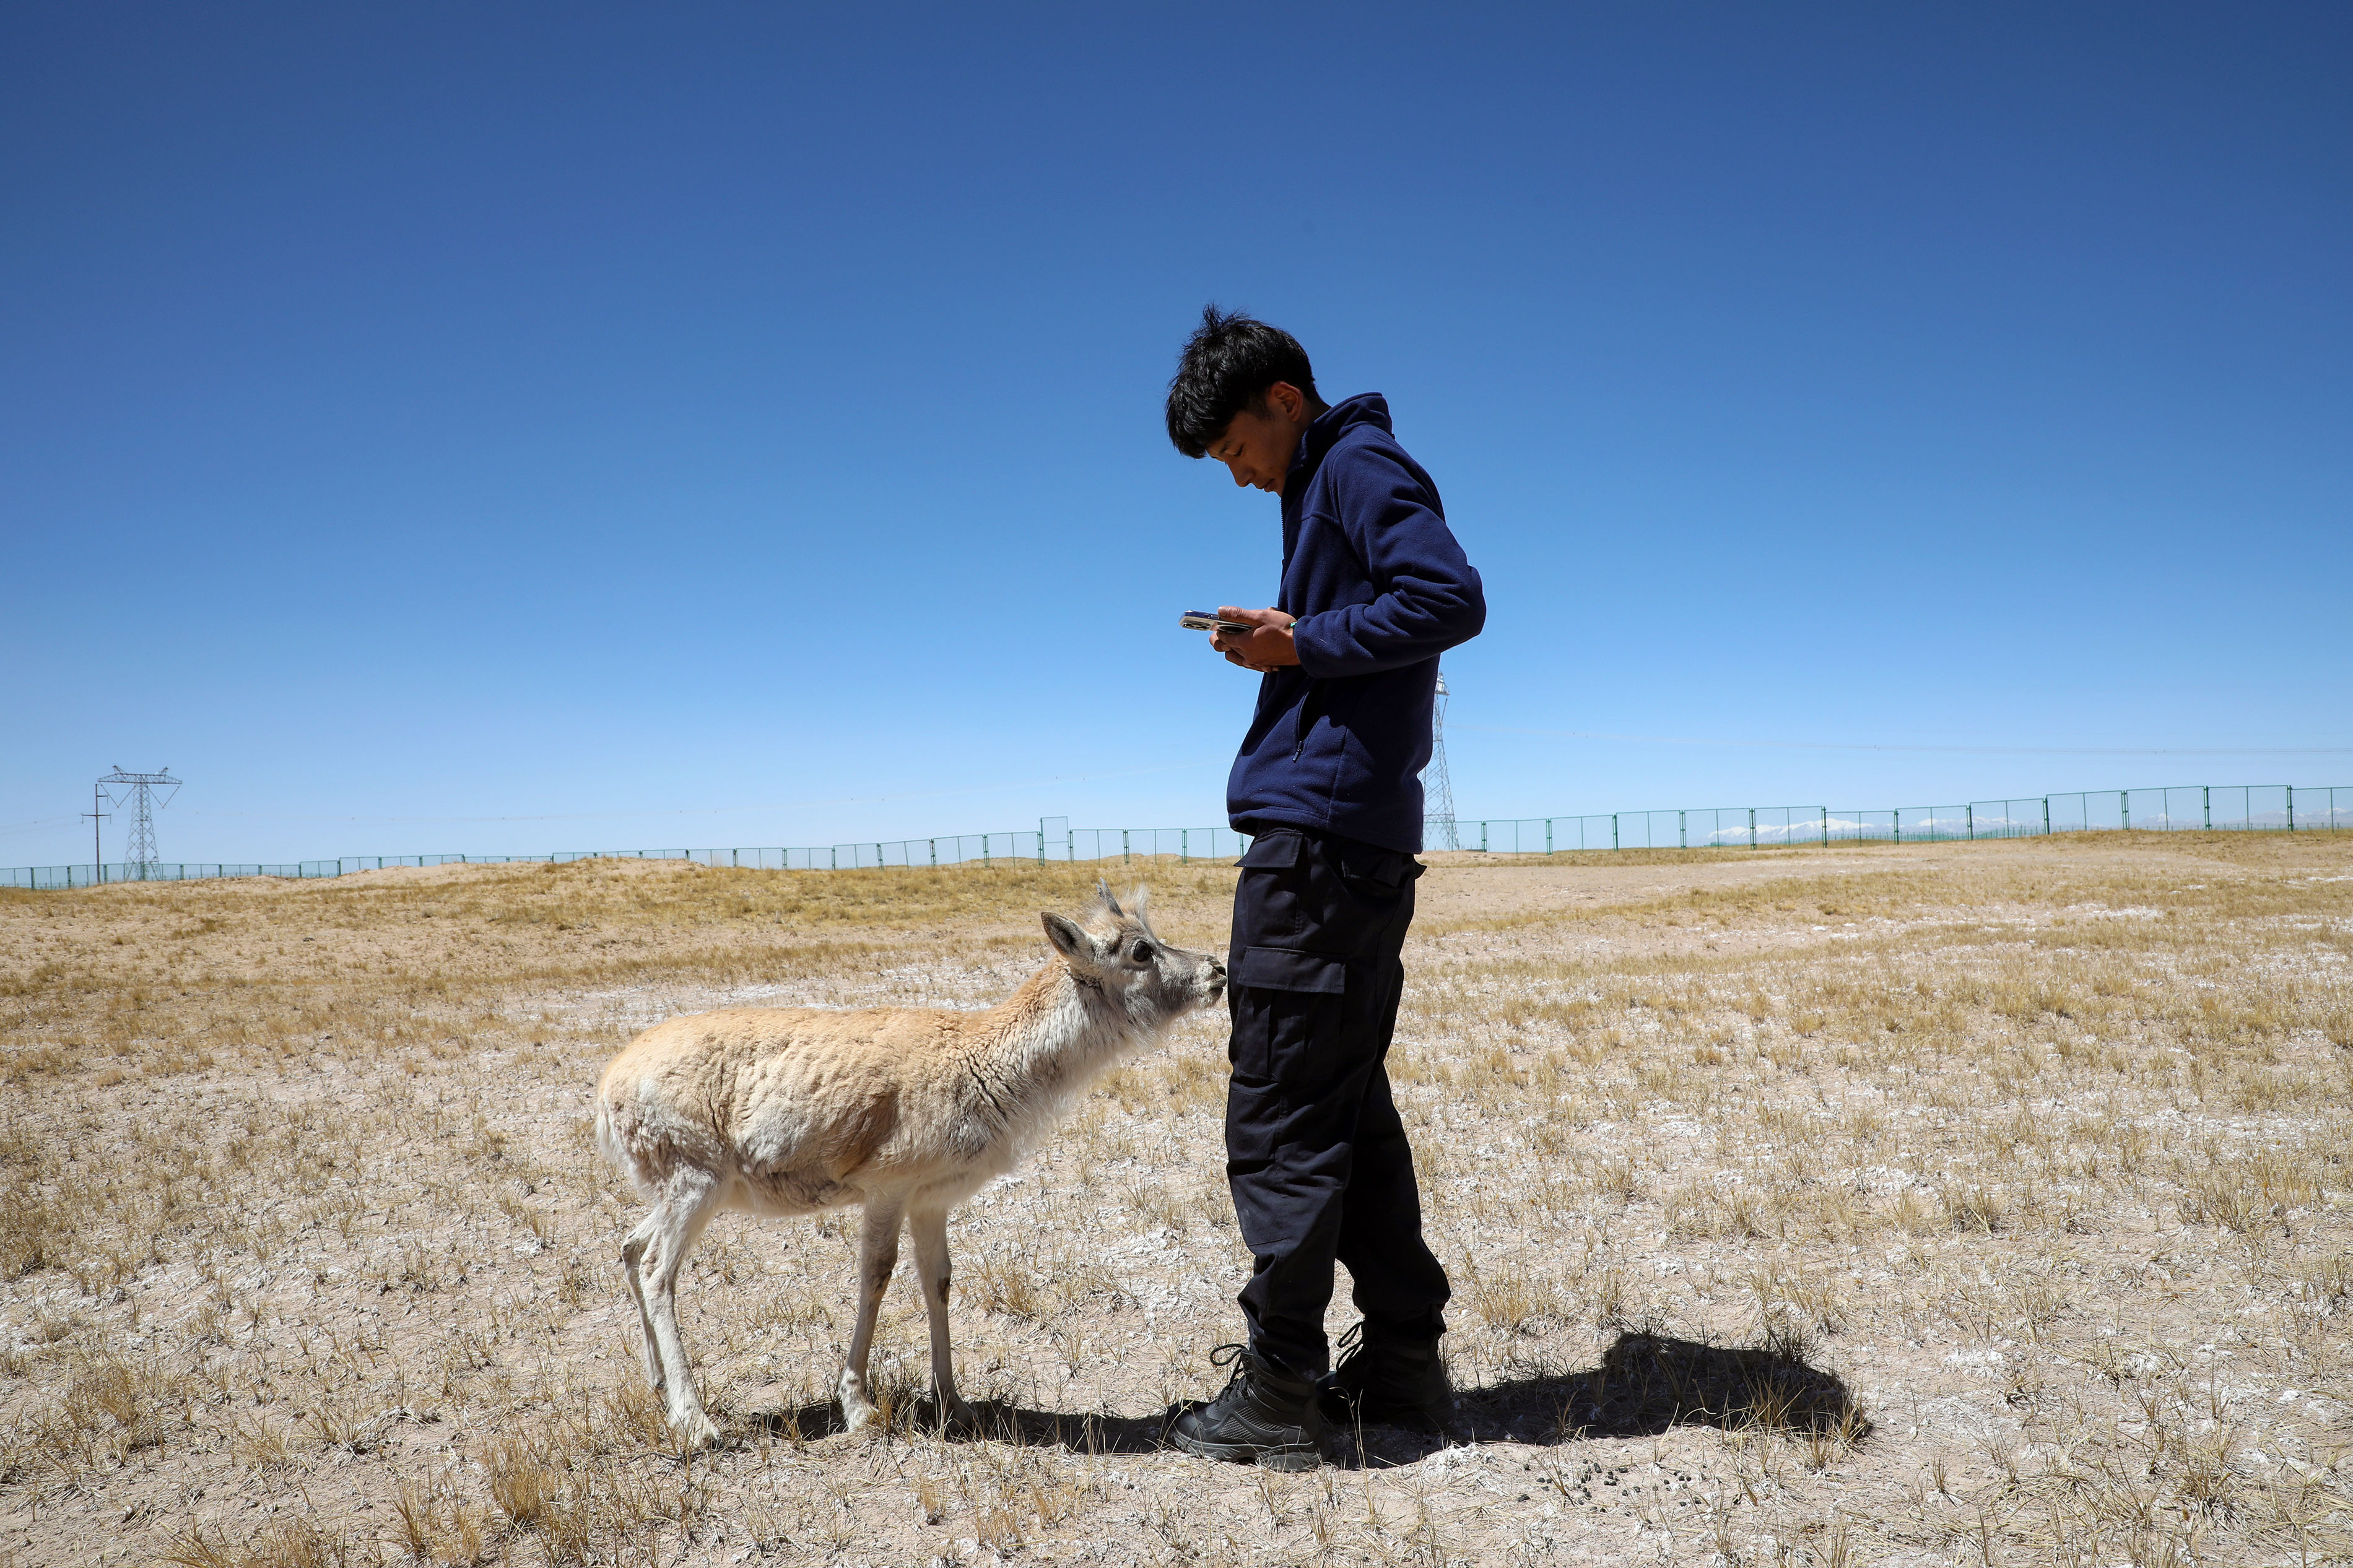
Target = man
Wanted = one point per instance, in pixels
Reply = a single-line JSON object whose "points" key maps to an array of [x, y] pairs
{"points": [[1328, 785]]}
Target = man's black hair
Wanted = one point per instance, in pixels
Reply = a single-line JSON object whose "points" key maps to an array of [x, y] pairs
{"points": [[1228, 363]]}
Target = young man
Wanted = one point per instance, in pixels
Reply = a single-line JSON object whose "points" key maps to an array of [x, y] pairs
{"points": [[1328, 785]]}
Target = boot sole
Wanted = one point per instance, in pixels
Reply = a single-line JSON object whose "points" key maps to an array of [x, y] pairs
{"points": [[1288, 1457]]}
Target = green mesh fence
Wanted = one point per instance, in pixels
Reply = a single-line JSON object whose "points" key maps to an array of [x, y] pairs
{"points": [[2233, 808]]}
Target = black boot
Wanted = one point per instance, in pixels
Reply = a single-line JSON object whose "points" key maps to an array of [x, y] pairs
{"points": [[1388, 1378], [1264, 1416]]}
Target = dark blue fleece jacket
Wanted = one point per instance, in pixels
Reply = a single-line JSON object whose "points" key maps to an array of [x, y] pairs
{"points": [[1380, 589]]}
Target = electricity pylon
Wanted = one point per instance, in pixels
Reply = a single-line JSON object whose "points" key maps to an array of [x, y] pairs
{"points": [[1437, 789], [138, 790]]}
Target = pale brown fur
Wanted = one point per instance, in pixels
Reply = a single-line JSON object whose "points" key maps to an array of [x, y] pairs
{"points": [[904, 1110]]}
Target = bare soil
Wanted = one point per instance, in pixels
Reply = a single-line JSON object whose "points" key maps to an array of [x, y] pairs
{"points": [[1943, 1203]]}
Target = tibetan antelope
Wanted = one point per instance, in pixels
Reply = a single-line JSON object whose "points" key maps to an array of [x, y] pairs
{"points": [[905, 1110]]}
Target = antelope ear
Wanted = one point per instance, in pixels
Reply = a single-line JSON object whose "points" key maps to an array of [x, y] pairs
{"points": [[1102, 891], [1072, 941]]}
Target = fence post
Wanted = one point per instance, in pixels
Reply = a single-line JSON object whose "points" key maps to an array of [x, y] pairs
{"points": [[1826, 826], [2124, 808], [1613, 831], [1970, 817], [2046, 817], [1184, 847], [1122, 847], [1683, 838], [2291, 808], [1752, 827], [1896, 817], [2206, 805]]}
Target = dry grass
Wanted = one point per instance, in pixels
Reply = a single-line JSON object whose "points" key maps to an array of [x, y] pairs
{"points": [[1970, 1204]]}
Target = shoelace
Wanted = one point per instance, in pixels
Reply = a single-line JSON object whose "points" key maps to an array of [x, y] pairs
{"points": [[1352, 1345], [1230, 1355]]}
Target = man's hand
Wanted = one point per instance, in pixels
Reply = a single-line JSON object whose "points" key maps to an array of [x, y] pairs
{"points": [[1268, 648]]}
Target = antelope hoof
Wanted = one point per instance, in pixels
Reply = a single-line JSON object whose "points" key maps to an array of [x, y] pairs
{"points": [[696, 1431], [858, 1412], [955, 1415]]}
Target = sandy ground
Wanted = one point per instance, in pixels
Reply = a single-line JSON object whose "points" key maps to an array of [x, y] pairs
{"points": [[1939, 1204]]}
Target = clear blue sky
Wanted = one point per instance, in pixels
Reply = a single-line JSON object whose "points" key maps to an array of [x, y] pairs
{"points": [[504, 427]]}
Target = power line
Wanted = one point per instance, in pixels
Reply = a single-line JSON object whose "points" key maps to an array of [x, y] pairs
{"points": [[39, 822], [1878, 746], [722, 810]]}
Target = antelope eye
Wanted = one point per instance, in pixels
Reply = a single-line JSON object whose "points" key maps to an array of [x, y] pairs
{"points": [[1143, 953]]}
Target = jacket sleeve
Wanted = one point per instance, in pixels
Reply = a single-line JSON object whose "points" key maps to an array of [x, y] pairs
{"points": [[1428, 598]]}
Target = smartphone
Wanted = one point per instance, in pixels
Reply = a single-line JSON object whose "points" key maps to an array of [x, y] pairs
{"points": [[1202, 621]]}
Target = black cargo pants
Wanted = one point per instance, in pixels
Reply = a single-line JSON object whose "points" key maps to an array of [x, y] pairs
{"points": [[1314, 1153]]}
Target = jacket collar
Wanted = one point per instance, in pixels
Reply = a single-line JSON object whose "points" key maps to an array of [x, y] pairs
{"points": [[1366, 408]]}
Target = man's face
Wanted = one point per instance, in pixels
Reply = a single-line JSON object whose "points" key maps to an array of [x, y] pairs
{"points": [[1257, 446]]}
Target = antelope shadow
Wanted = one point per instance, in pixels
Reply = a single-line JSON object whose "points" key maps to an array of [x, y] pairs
{"points": [[1001, 1421], [1644, 1385]]}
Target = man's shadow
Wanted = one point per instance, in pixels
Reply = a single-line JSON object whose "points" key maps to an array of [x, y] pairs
{"points": [[1645, 1384]]}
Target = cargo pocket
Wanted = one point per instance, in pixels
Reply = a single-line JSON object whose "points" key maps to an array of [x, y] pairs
{"points": [[1288, 969], [1270, 851], [1275, 899], [1287, 1009], [1375, 878]]}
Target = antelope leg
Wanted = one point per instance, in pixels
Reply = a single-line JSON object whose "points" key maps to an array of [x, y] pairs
{"points": [[930, 1229], [878, 1255], [686, 1205], [633, 1253]]}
